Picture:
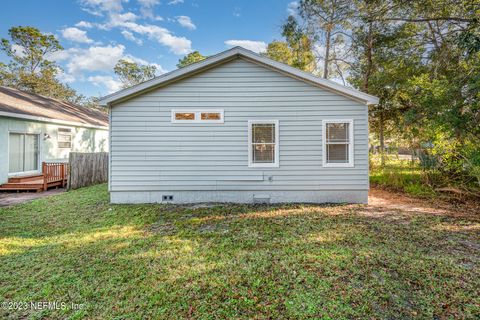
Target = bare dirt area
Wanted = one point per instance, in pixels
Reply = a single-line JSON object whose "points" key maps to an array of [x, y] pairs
{"points": [[12, 198], [384, 202]]}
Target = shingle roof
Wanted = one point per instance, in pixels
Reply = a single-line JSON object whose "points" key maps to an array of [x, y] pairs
{"points": [[14, 101]]}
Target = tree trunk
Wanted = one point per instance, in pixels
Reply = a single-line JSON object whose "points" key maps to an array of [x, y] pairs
{"points": [[368, 55], [327, 55], [382, 140]]}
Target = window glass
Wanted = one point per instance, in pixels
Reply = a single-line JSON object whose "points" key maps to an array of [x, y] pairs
{"points": [[337, 143], [184, 116], [23, 152], [337, 153], [263, 132], [197, 116], [337, 132], [64, 137], [263, 143], [211, 116], [264, 153]]}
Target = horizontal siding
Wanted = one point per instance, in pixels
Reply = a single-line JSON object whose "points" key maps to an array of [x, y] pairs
{"points": [[151, 154]]}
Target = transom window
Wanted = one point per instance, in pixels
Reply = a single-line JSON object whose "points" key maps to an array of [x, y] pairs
{"points": [[338, 143], [64, 137], [197, 116], [263, 143]]}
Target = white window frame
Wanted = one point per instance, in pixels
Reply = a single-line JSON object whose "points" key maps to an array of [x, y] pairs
{"points": [[351, 146], [64, 134], [39, 160], [252, 164], [198, 118]]}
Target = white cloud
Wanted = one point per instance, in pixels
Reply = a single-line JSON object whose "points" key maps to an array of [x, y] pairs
{"points": [[103, 5], [65, 77], [117, 19], [147, 8], [127, 21], [92, 12], [148, 3], [76, 35], [61, 55], [186, 22], [255, 46], [18, 50], [129, 36], [108, 82], [292, 8], [174, 2], [84, 24], [95, 58], [178, 45]]}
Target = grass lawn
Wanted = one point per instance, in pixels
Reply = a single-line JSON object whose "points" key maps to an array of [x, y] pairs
{"points": [[296, 261]]}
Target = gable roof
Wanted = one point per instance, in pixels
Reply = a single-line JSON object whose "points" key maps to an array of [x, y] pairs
{"points": [[236, 52], [19, 104]]}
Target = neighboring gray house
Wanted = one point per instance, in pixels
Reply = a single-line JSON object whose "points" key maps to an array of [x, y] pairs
{"points": [[238, 127], [36, 129]]}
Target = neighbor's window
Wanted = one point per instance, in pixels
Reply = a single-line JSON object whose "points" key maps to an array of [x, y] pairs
{"points": [[338, 143], [64, 137], [263, 143], [197, 116]]}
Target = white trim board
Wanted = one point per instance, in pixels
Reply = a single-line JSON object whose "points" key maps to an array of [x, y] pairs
{"points": [[49, 120], [233, 53]]}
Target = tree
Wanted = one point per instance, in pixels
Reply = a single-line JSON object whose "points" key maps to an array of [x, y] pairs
{"points": [[279, 51], [190, 58], [296, 51], [421, 58], [29, 47], [329, 21], [131, 73], [29, 68], [300, 45]]}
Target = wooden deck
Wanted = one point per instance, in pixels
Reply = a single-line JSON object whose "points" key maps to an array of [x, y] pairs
{"points": [[54, 174]]}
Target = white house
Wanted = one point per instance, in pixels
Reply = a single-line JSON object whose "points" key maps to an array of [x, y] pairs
{"points": [[36, 129], [238, 127]]}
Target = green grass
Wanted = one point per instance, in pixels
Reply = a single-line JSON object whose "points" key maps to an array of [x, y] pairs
{"points": [[279, 262], [400, 175]]}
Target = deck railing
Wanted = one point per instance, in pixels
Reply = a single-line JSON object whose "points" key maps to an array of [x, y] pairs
{"points": [[54, 171]]}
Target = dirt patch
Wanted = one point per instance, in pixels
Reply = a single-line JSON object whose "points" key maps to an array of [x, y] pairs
{"points": [[10, 198], [383, 202]]}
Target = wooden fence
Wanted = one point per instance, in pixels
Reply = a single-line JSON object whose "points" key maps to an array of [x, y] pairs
{"points": [[87, 169]]}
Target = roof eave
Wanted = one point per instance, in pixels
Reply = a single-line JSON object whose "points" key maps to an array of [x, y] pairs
{"points": [[51, 120]]}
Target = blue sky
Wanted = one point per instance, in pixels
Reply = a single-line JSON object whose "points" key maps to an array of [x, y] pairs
{"points": [[96, 33]]}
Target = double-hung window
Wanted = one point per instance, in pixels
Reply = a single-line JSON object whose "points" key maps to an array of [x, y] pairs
{"points": [[263, 143], [338, 143]]}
